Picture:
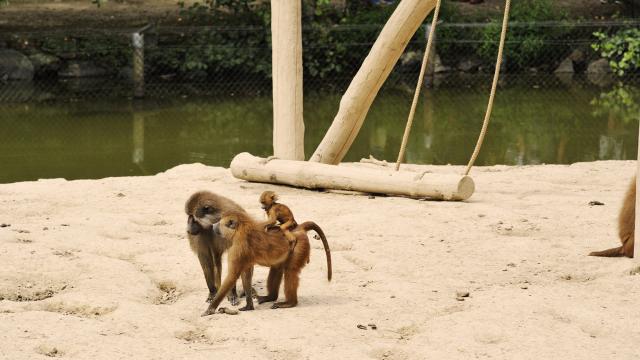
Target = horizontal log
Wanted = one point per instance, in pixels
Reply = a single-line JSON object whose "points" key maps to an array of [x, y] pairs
{"points": [[312, 175]]}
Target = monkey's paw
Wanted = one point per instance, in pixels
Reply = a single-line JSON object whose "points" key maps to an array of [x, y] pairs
{"points": [[263, 299], [210, 311], [246, 308], [210, 297], [233, 299]]}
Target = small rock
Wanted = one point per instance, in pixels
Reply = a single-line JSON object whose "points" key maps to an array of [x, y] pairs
{"points": [[15, 66], [600, 66], [524, 287], [462, 294], [565, 67], [481, 215], [64, 224], [120, 195], [511, 264], [4, 225], [228, 311], [43, 63], [459, 298], [599, 73], [45, 228], [361, 327], [373, 326], [595, 203]]}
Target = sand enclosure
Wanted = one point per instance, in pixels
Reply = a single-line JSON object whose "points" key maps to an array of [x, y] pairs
{"points": [[100, 269]]}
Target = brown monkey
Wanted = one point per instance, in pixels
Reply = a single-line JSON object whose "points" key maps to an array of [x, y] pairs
{"points": [[203, 209], [626, 226], [253, 245], [279, 213]]}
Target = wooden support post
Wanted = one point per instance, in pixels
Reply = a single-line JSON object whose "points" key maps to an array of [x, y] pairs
{"points": [[375, 69], [137, 40], [321, 176], [286, 53], [636, 247]]}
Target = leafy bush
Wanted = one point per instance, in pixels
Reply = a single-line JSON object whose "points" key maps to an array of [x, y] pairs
{"points": [[622, 49], [527, 44]]}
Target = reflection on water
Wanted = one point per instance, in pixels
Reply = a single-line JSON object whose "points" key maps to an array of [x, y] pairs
{"points": [[549, 123]]}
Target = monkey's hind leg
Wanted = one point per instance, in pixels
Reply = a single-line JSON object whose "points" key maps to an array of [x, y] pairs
{"points": [[246, 285], [273, 285], [291, 282], [293, 240]]}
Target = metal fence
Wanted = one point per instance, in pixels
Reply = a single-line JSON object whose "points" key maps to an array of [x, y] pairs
{"points": [[210, 61]]}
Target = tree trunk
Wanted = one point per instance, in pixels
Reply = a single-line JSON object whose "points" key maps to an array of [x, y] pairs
{"points": [[288, 124], [357, 178]]}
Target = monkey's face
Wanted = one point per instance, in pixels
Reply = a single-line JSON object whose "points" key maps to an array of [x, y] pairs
{"points": [[227, 227], [202, 220], [193, 227], [267, 199]]}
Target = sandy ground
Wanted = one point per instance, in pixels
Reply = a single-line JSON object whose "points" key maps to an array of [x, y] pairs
{"points": [[101, 269]]}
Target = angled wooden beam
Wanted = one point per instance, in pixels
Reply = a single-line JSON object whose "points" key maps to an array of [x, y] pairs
{"points": [[364, 87]]}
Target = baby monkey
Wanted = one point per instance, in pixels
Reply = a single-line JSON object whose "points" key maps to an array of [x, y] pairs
{"points": [[279, 213]]}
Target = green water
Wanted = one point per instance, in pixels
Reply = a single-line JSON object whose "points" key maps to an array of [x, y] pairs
{"points": [[532, 123]]}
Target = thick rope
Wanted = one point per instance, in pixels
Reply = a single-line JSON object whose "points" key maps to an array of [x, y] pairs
{"points": [[496, 75], [412, 112]]}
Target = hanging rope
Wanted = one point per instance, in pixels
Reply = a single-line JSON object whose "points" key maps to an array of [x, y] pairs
{"points": [[496, 75], [412, 112]]}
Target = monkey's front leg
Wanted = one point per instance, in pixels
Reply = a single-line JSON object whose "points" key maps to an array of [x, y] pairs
{"points": [[208, 267], [233, 295], [227, 284]]}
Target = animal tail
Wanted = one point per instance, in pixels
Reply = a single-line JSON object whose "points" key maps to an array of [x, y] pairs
{"points": [[310, 225], [614, 252]]}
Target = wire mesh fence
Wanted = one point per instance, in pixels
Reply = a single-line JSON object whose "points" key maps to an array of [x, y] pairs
{"points": [[218, 61], [70, 95]]}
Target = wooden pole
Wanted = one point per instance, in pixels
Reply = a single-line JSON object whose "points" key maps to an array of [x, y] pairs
{"points": [[321, 176], [636, 247], [286, 53], [375, 69], [137, 40]]}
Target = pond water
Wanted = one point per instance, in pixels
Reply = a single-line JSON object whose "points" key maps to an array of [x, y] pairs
{"points": [[535, 120]]}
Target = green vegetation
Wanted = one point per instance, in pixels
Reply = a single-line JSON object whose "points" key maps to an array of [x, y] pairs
{"points": [[622, 49], [528, 44]]}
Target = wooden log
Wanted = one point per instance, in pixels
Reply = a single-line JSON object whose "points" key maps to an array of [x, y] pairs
{"points": [[322, 176], [364, 87], [286, 53]]}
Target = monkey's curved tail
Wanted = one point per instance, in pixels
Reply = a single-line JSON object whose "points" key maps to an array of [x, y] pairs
{"points": [[614, 252], [310, 225]]}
